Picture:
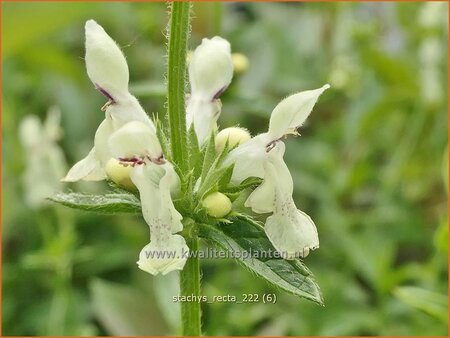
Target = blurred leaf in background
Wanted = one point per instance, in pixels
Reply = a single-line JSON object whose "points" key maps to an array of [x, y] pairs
{"points": [[370, 168]]}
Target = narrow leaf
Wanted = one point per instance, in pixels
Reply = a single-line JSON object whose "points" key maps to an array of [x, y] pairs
{"points": [[225, 180], [209, 156], [214, 174], [195, 160], [163, 140], [248, 183], [109, 203], [211, 180]]}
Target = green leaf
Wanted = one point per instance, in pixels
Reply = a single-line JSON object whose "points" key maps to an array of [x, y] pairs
{"points": [[246, 236], [247, 183], [209, 156], [195, 160], [433, 303], [111, 203], [225, 180], [163, 139], [214, 171], [209, 184]]}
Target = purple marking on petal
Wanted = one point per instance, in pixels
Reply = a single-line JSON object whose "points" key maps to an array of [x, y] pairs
{"points": [[271, 145], [131, 161], [158, 160], [216, 96], [105, 93]]}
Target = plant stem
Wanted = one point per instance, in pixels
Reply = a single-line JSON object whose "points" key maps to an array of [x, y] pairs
{"points": [[190, 286], [176, 81]]}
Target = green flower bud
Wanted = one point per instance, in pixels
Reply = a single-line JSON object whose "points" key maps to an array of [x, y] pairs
{"points": [[234, 135], [217, 204], [119, 174]]}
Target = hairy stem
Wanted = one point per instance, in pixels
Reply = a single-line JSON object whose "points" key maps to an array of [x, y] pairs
{"points": [[176, 81], [190, 285]]}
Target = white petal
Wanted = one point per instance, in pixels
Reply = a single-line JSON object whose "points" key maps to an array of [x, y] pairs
{"points": [[204, 115], [105, 63], [262, 199], [168, 183], [277, 185], [135, 139], [166, 251], [165, 256], [127, 110], [290, 113], [91, 167], [210, 68], [104, 131], [88, 168], [249, 158], [292, 232], [154, 183]]}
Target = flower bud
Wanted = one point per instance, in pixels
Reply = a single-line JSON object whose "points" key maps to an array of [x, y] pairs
{"points": [[119, 173], [210, 68], [217, 204], [240, 63], [135, 139], [105, 63], [234, 135]]}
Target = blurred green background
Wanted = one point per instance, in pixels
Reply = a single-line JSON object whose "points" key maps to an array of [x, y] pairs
{"points": [[370, 168]]}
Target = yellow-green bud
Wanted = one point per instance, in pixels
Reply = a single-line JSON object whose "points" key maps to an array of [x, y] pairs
{"points": [[240, 62], [119, 174], [217, 204], [234, 135]]}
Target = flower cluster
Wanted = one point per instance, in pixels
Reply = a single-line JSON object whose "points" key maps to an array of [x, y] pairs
{"points": [[127, 139]]}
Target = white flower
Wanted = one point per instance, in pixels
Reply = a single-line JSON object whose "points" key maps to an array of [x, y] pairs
{"points": [[291, 231], [210, 73], [45, 161], [107, 68], [287, 116], [210, 68], [136, 144]]}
